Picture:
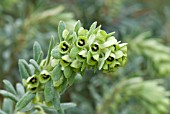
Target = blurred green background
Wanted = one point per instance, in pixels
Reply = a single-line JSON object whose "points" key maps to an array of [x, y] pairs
{"points": [[141, 87]]}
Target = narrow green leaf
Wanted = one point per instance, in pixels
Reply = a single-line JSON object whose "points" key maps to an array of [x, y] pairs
{"points": [[61, 28], [40, 57], [110, 34], [68, 71], [35, 64], [52, 43], [20, 89], [71, 79], [65, 106], [26, 66], [92, 28], [47, 108], [22, 70], [97, 29], [24, 100], [7, 106], [75, 37], [56, 73], [28, 107], [77, 26], [8, 95], [9, 87], [110, 41], [107, 54], [91, 39], [101, 63], [49, 91], [36, 50], [63, 87], [56, 101]]}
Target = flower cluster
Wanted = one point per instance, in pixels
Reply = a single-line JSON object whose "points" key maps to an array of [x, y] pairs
{"points": [[77, 50], [90, 49]]}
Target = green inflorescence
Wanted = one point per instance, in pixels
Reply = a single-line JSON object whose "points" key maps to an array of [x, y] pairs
{"points": [[77, 50]]}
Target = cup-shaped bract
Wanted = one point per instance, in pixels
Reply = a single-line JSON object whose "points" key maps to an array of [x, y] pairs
{"points": [[64, 47], [65, 60], [95, 48], [110, 59], [33, 81], [82, 55], [32, 88], [81, 42], [44, 76], [92, 59]]}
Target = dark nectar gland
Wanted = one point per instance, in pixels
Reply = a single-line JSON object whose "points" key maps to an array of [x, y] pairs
{"points": [[44, 76], [95, 47], [117, 65], [92, 58], [110, 58], [33, 80], [81, 42], [65, 47], [34, 88], [81, 56]]}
